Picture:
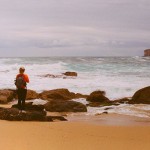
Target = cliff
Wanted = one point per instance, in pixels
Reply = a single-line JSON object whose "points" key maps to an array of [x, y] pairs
{"points": [[147, 52]]}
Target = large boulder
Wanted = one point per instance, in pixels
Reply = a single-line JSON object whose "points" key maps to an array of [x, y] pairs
{"points": [[142, 96], [98, 96], [70, 74], [65, 106], [59, 94], [6, 96], [13, 114]]}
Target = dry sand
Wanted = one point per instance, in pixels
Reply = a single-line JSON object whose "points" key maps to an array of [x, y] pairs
{"points": [[102, 132], [72, 135]]}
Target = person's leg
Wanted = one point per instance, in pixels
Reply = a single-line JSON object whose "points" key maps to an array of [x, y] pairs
{"points": [[19, 93], [24, 93]]}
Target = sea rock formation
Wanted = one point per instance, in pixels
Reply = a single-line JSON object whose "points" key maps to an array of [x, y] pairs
{"points": [[59, 94], [29, 106], [13, 114], [6, 96], [98, 96], [65, 106], [70, 74], [147, 52], [142, 96], [124, 100]]}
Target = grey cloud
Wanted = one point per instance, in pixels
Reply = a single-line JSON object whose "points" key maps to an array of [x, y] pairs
{"points": [[60, 26]]}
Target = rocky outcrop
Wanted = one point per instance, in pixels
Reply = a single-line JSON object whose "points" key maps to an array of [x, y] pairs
{"points": [[65, 106], [98, 99], [147, 52], [13, 114], [70, 74], [55, 106], [59, 94], [98, 96], [30, 107], [6, 96], [124, 100], [142, 96]]}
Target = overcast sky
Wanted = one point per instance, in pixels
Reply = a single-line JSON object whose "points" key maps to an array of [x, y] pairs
{"points": [[74, 27]]}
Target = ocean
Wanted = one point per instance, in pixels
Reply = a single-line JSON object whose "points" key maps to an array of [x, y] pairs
{"points": [[118, 76]]}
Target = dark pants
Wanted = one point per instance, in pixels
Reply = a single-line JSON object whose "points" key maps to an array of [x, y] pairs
{"points": [[21, 98]]}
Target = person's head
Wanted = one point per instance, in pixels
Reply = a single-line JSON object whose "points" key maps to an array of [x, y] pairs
{"points": [[21, 70]]}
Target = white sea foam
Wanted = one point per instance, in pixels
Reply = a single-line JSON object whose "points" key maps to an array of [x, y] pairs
{"points": [[125, 109]]}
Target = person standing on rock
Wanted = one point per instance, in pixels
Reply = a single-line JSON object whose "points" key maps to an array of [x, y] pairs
{"points": [[21, 85]]}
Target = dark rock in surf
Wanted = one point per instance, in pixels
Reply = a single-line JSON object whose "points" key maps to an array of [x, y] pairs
{"points": [[30, 106], [142, 96], [124, 100], [73, 74], [59, 94], [13, 114], [98, 96], [65, 106]]}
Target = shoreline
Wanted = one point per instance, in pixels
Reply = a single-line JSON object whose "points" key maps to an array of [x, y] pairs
{"points": [[110, 119]]}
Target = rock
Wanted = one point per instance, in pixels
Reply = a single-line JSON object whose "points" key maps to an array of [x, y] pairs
{"points": [[65, 106], [105, 112], [59, 94], [94, 104], [108, 108], [78, 95], [142, 96], [6, 96], [29, 106], [99, 104], [13, 114], [124, 100], [98, 96], [146, 52], [70, 74]]}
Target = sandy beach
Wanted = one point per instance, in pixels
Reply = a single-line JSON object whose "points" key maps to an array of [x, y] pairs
{"points": [[76, 135]]}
